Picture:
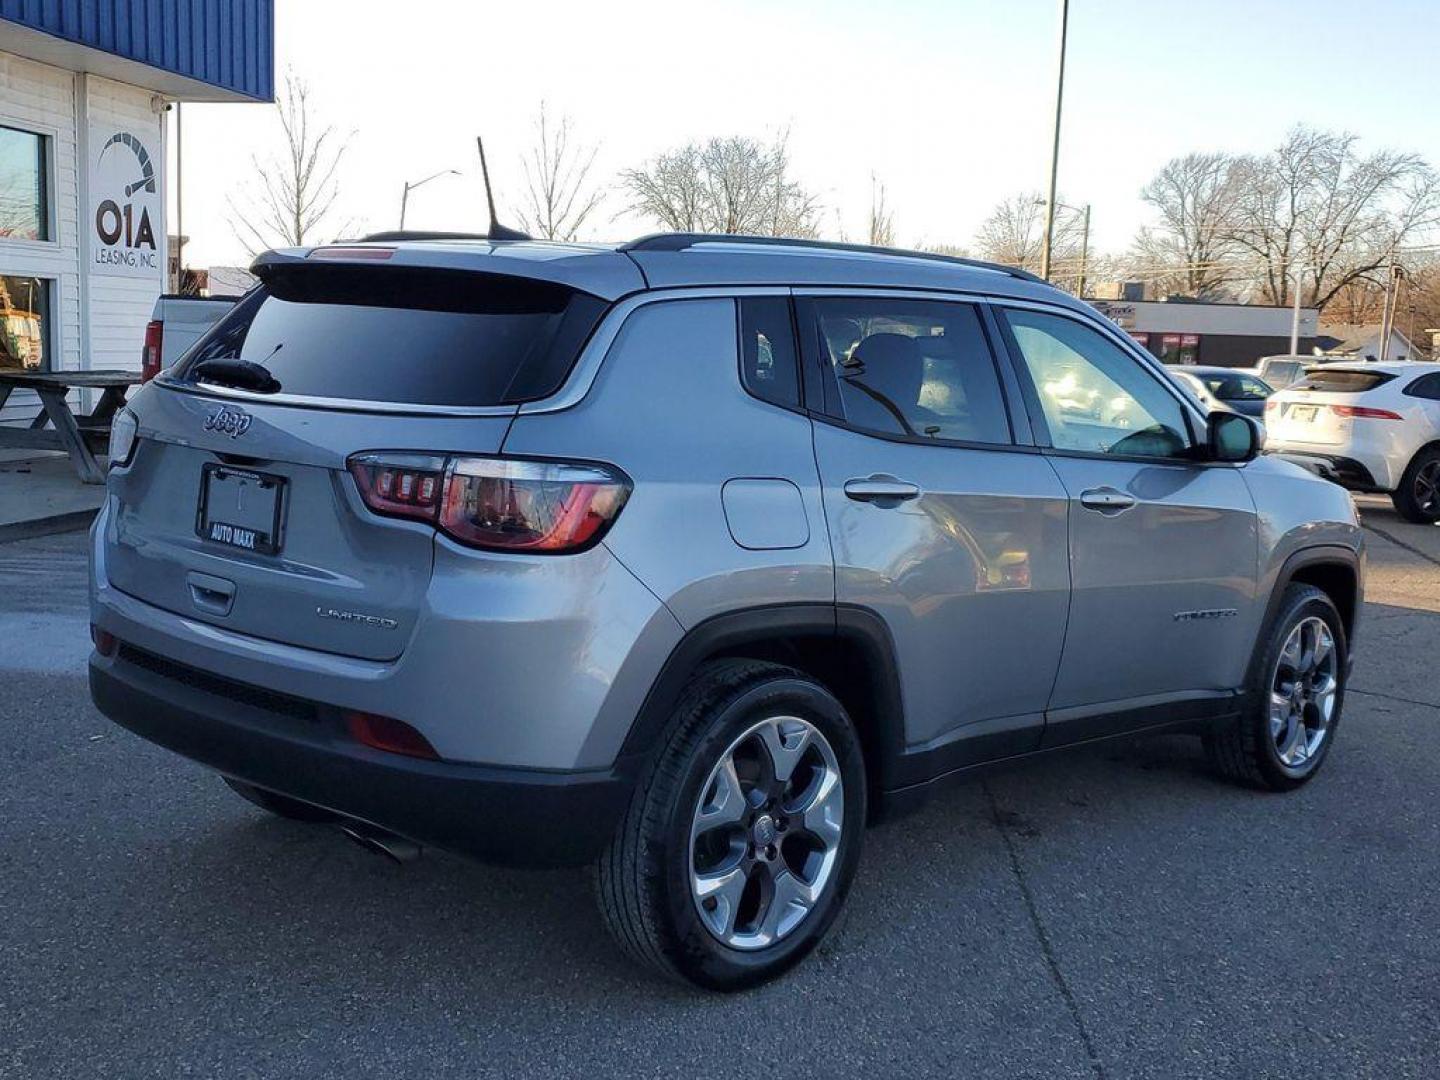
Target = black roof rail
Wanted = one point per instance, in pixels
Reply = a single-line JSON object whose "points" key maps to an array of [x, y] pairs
{"points": [[397, 235], [682, 241]]}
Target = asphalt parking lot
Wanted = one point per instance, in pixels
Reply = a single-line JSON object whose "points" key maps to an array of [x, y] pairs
{"points": [[1111, 913]]}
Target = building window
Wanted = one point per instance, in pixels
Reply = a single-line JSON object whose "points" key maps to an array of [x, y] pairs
{"points": [[24, 324], [24, 186]]}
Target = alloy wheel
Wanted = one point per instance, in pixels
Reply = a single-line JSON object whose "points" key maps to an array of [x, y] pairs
{"points": [[765, 833], [1427, 487], [1303, 691]]}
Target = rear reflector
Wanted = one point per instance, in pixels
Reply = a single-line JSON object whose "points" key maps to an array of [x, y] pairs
{"points": [[388, 734], [150, 354], [1360, 412], [498, 504], [105, 642]]}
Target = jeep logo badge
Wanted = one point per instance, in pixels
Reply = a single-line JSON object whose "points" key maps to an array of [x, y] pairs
{"points": [[227, 421]]}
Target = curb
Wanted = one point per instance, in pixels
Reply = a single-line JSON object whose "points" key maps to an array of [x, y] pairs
{"points": [[74, 521]]}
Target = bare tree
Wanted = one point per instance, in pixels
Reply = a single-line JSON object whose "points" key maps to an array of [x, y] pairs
{"points": [[882, 218], [1317, 209], [730, 185], [296, 189], [1014, 233], [1193, 249], [558, 191]]}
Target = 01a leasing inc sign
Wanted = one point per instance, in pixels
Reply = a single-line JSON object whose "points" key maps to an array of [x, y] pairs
{"points": [[125, 206]]}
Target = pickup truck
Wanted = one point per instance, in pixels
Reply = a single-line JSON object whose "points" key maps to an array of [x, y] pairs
{"points": [[177, 323]]}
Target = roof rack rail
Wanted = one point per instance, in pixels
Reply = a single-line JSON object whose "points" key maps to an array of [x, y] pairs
{"points": [[682, 241], [396, 235]]}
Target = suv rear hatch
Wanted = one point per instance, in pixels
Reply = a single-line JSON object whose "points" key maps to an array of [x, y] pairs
{"points": [[236, 508], [1323, 407]]}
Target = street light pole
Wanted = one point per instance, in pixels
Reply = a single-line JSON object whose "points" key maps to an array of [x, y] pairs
{"points": [[409, 187], [1055, 145], [1084, 253]]}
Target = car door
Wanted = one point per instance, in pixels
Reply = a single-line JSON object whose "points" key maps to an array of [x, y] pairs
{"points": [[944, 519], [1163, 545]]}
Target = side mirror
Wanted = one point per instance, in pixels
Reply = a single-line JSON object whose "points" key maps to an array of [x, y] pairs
{"points": [[1231, 437]]}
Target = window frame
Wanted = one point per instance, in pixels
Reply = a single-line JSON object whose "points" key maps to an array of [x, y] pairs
{"points": [[1146, 362], [820, 390], [49, 220]]}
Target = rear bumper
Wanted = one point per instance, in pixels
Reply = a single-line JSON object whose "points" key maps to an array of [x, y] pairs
{"points": [[300, 749], [1348, 472]]}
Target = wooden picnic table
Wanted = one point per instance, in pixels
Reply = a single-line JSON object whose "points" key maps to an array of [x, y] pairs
{"points": [[79, 436]]}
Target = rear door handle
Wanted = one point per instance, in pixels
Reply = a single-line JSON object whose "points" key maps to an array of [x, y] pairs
{"points": [[882, 490], [1106, 500]]}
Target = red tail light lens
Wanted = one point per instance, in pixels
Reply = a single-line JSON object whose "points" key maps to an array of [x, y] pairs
{"points": [[499, 504], [508, 505], [105, 642], [150, 353], [1361, 412], [389, 734], [400, 485]]}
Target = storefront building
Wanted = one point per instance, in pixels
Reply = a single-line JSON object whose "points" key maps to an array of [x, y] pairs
{"points": [[1195, 332], [85, 88]]}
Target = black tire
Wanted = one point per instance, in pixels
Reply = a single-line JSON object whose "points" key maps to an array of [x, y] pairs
{"points": [[1244, 749], [279, 805], [1417, 498], [643, 878]]}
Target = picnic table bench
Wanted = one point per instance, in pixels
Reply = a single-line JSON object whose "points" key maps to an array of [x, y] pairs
{"points": [[81, 436]]}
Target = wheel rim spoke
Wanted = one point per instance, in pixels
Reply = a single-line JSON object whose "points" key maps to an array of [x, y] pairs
{"points": [[724, 891], [823, 811], [785, 740], [790, 901], [724, 801]]}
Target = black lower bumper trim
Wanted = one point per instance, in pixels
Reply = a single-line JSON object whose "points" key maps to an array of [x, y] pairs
{"points": [[1347, 472], [511, 816]]}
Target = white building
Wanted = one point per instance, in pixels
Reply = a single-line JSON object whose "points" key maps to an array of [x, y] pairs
{"points": [[85, 87]]}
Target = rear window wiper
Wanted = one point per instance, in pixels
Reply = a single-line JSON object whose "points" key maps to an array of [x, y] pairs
{"points": [[237, 373]]}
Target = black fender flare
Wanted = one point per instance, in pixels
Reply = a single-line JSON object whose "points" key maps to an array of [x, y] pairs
{"points": [[730, 632], [1320, 555]]}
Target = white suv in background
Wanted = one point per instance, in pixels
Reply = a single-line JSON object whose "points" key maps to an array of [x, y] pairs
{"points": [[1370, 427]]}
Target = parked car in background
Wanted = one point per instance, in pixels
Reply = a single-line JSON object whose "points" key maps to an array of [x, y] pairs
{"points": [[176, 323], [1370, 427], [688, 557], [1225, 388]]}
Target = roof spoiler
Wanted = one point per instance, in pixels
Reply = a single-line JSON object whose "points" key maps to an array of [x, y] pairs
{"points": [[683, 241]]}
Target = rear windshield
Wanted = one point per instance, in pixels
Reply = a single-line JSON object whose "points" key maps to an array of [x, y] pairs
{"points": [[404, 335], [1341, 380]]}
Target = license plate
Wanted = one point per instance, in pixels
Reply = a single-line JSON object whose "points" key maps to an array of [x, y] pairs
{"points": [[1304, 414], [241, 509]]}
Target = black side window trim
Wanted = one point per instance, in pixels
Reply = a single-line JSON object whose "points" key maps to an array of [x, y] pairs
{"points": [[1036, 410], [823, 401]]}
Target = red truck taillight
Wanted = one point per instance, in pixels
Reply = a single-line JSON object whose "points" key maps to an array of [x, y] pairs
{"points": [[150, 353], [498, 504]]}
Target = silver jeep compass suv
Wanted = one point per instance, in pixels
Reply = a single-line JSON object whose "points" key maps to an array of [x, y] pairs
{"points": [[686, 557]]}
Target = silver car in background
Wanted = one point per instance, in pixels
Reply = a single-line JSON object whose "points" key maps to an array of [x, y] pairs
{"points": [[687, 557]]}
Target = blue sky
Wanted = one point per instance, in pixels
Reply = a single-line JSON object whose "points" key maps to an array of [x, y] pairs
{"points": [[948, 103]]}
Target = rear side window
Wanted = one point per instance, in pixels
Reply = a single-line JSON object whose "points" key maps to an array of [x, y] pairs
{"points": [[1237, 387], [919, 369], [768, 366], [1427, 386], [1341, 380], [405, 335]]}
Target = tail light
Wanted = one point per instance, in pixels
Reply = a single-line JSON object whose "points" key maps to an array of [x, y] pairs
{"points": [[498, 504], [150, 353], [1360, 412], [1272, 405]]}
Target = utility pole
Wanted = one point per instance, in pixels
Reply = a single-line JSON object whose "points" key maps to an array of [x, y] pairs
{"points": [[1055, 145], [179, 200], [1084, 253], [1295, 318], [1387, 313]]}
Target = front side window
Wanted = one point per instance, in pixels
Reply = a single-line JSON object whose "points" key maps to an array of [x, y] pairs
{"points": [[913, 368], [1094, 397], [24, 324], [24, 209]]}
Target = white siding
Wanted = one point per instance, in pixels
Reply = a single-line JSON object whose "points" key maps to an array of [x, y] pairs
{"points": [[120, 306], [35, 97]]}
